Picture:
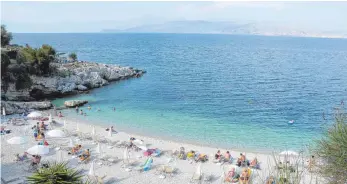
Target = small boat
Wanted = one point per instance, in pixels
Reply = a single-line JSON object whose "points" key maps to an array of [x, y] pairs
{"points": [[291, 121]]}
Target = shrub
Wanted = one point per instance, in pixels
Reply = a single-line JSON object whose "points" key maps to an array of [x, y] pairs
{"points": [[6, 37], [332, 149], [73, 56], [5, 61], [56, 173]]}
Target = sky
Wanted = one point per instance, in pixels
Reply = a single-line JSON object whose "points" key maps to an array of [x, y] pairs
{"points": [[47, 17]]}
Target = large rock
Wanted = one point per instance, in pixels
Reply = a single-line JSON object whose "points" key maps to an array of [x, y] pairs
{"points": [[81, 88], [74, 103], [71, 78], [12, 107]]}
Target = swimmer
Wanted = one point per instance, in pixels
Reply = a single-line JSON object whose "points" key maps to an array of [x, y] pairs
{"points": [[114, 108], [89, 107], [81, 112]]}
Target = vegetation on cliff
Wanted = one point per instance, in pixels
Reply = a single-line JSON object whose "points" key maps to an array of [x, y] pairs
{"points": [[18, 63], [6, 37]]}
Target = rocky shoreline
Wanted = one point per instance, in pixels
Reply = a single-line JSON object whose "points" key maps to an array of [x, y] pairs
{"points": [[69, 79]]}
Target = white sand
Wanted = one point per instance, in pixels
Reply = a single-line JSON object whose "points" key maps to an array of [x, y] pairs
{"points": [[116, 173]]}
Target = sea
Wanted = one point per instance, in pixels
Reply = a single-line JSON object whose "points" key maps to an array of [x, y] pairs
{"points": [[227, 91]]}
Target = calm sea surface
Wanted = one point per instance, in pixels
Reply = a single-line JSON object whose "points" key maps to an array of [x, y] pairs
{"points": [[237, 92]]}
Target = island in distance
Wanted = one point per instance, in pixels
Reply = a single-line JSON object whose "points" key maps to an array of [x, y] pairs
{"points": [[228, 27]]}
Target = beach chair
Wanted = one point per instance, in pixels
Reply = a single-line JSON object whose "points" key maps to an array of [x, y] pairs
{"points": [[146, 166], [197, 176]]}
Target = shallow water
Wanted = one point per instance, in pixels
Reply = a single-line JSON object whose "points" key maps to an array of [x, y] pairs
{"points": [[224, 90]]}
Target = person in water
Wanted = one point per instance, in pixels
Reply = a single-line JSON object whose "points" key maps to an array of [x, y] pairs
{"points": [[89, 107], [76, 109], [81, 112], [114, 108]]}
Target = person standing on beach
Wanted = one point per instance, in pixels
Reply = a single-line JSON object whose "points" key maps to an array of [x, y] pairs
{"points": [[55, 111], [81, 112], [76, 109]]}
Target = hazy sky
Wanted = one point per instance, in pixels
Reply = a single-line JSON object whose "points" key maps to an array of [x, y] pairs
{"points": [[95, 16]]}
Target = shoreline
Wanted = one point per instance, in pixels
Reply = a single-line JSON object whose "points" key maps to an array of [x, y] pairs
{"points": [[145, 132]]}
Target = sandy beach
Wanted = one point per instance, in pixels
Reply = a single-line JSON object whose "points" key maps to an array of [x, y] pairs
{"points": [[114, 171]]}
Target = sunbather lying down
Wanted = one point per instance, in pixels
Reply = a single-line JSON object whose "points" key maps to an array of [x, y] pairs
{"points": [[75, 149], [254, 163], [85, 155], [201, 158], [232, 176]]}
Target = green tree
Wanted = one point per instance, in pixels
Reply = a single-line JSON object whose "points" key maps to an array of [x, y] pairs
{"points": [[332, 149], [29, 54], [6, 37], [56, 173], [73, 56], [5, 61]]}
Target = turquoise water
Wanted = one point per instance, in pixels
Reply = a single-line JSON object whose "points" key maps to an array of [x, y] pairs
{"points": [[236, 92]]}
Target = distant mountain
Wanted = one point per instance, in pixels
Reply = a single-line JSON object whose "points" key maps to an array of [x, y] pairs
{"points": [[224, 27]]}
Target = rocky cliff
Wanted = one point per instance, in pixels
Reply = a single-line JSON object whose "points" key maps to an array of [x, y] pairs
{"points": [[70, 78]]}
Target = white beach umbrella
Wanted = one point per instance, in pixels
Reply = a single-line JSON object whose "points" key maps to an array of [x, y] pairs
{"points": [[110, 133], [50, 119], [56, 133], [93, 131], [198, 171], [289, 153], [143, 148], [60, 156], [3, 111], [34, 114], [98, 148], [38, 150], [126, 154], [71, 144], [91, 170], [138, 141], [77, 127], [17, 140]]}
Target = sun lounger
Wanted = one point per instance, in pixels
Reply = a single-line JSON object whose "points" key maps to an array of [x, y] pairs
{"points": [[146, 166], [197, 176]]}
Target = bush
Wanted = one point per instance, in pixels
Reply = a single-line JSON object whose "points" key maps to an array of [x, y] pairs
{"points": [[332, 149], [73, 56], [5, 61], [39, 58], [6, 37], [56, 173]]}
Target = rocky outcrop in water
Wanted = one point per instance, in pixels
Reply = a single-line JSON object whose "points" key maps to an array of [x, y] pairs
{"points": [[70, 79], [12, 107], [74, 103]]}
